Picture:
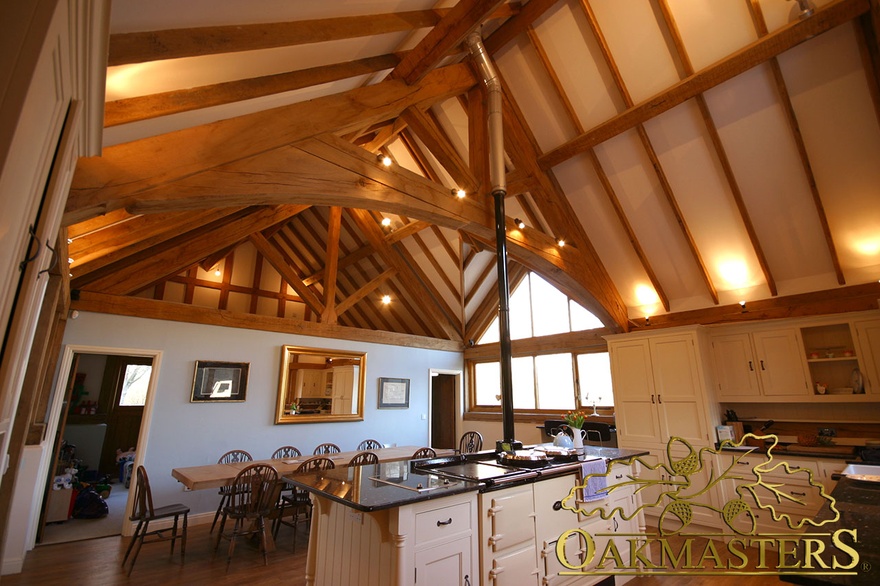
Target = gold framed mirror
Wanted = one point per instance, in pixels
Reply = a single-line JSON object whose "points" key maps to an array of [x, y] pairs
{"points": [[317, 384]]}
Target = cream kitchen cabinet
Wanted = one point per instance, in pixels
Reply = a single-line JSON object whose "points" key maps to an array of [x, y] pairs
{"points": [[659, 389], [868, 335], [444, 543], [310, 383], [761, 365]]}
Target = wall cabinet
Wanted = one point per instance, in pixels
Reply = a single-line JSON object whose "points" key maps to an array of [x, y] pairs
{"points": [[868, 336], [832, 359], [760, 364], [658, 390]]}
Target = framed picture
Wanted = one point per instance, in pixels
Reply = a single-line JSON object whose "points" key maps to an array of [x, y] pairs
{"points": [[393, 393], [219, 381]]}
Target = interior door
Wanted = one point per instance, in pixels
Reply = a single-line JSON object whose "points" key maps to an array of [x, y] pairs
{"points": [[443, 411]]}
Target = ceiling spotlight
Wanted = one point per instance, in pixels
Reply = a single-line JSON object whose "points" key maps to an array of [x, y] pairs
{"points": [[561, 242], [647, 320], [386, 299], [742, 304], [69, 261], [459, 193], [519, 223], [384, 159], [386, 222], [217, 273]]}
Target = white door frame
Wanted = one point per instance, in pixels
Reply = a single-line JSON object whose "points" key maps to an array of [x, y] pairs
{"points": [[459, 400], [55, 418]]}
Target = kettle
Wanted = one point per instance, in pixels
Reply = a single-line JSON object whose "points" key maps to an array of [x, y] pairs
{"points": [[562, 440]]}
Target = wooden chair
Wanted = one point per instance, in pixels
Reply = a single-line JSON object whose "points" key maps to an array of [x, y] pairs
{"points": [[424, 453], [230, 457], [299, 500], [327, 448], [252, 498], [470, 442], [286, 452], [144, 512], [369, 444], [364, 459]]}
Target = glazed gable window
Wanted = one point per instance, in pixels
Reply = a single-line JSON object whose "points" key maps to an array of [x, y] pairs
{"points": [[549, 379]]}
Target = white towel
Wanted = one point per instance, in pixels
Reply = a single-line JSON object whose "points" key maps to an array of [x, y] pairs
{"points": [[596, 485]]}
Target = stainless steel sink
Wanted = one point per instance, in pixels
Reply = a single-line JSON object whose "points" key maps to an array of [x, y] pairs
{"points": [[863, 472]]}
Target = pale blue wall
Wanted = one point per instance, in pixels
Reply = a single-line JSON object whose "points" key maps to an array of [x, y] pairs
{"points": [[190, 434]]}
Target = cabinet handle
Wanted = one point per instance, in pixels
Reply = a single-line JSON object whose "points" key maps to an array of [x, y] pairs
{"points": [[762, 365], [618, 476], [494, 510], [494, 539], [54, 262], [751, 366], [616, 524], [652, 399], [442, 523], [799, 493], [467, 580], [659, 400], [495, 572]]}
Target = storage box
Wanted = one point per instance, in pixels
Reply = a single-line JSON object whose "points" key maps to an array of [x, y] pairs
{"points": [[58, 506]]}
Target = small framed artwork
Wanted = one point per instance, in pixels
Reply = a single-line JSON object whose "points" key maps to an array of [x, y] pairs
{"points": [[393, 393], [219, 381]]}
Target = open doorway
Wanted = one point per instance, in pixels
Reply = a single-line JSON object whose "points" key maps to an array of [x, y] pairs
{"points": [[444, 400], [95, 446]]}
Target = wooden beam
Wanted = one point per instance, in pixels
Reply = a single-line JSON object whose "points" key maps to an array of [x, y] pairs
{"points": [[140, 47], [155, 264], [163, 310], [791, 35], [100, 248], [271, 254], [130, 110], [414, 288], [440, 146], [365, 290], [100, 184], [517, 25], [332, 265], [452, 29], [720, 151], [794, 125]]}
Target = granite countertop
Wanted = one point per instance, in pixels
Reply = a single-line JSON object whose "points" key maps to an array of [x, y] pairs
{"points": [[392, 484], [859, 506]]}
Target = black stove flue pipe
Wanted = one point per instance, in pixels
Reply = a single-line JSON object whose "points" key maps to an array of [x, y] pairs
{"points": [[499, 192]]}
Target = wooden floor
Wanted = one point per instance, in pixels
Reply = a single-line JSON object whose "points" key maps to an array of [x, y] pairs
{"points": [[97, 561]]}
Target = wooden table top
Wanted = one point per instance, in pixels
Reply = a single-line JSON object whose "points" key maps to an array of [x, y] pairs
{"points": [[217, 475]]}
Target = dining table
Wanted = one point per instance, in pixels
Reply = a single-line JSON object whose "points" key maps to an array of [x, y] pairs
{"points": [[217, 475]]}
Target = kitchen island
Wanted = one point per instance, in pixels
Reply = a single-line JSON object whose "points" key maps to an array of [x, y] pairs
{"points": [[407, 522]]}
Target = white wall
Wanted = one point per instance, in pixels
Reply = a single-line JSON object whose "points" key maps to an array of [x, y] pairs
{"points": [[190, 434]]}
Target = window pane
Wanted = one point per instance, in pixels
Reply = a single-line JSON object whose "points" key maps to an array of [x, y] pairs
{"points": [[520, 312], [555, 381], [549, 308], [523, 372], [581, 319], [594, 371], [487, 383], [134, 385], [491, 334]]}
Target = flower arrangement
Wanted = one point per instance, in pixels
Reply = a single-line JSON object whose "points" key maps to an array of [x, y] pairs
{"points": [[293, 408], [575, 419]]}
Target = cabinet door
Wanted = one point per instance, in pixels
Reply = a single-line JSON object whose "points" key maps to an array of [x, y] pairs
{"points": [[445, 564], [517, 568], [512, 514], [735, 370], [868, 333], [679, 389], [781, 363], [634, 401]]}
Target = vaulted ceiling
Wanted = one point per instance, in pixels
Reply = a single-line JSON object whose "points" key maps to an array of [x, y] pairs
{"points": [[691, 153]]}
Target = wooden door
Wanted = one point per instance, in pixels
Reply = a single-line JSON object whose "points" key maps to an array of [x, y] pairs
{"points": [[123, 421], [781, 363], [443, 411]]}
